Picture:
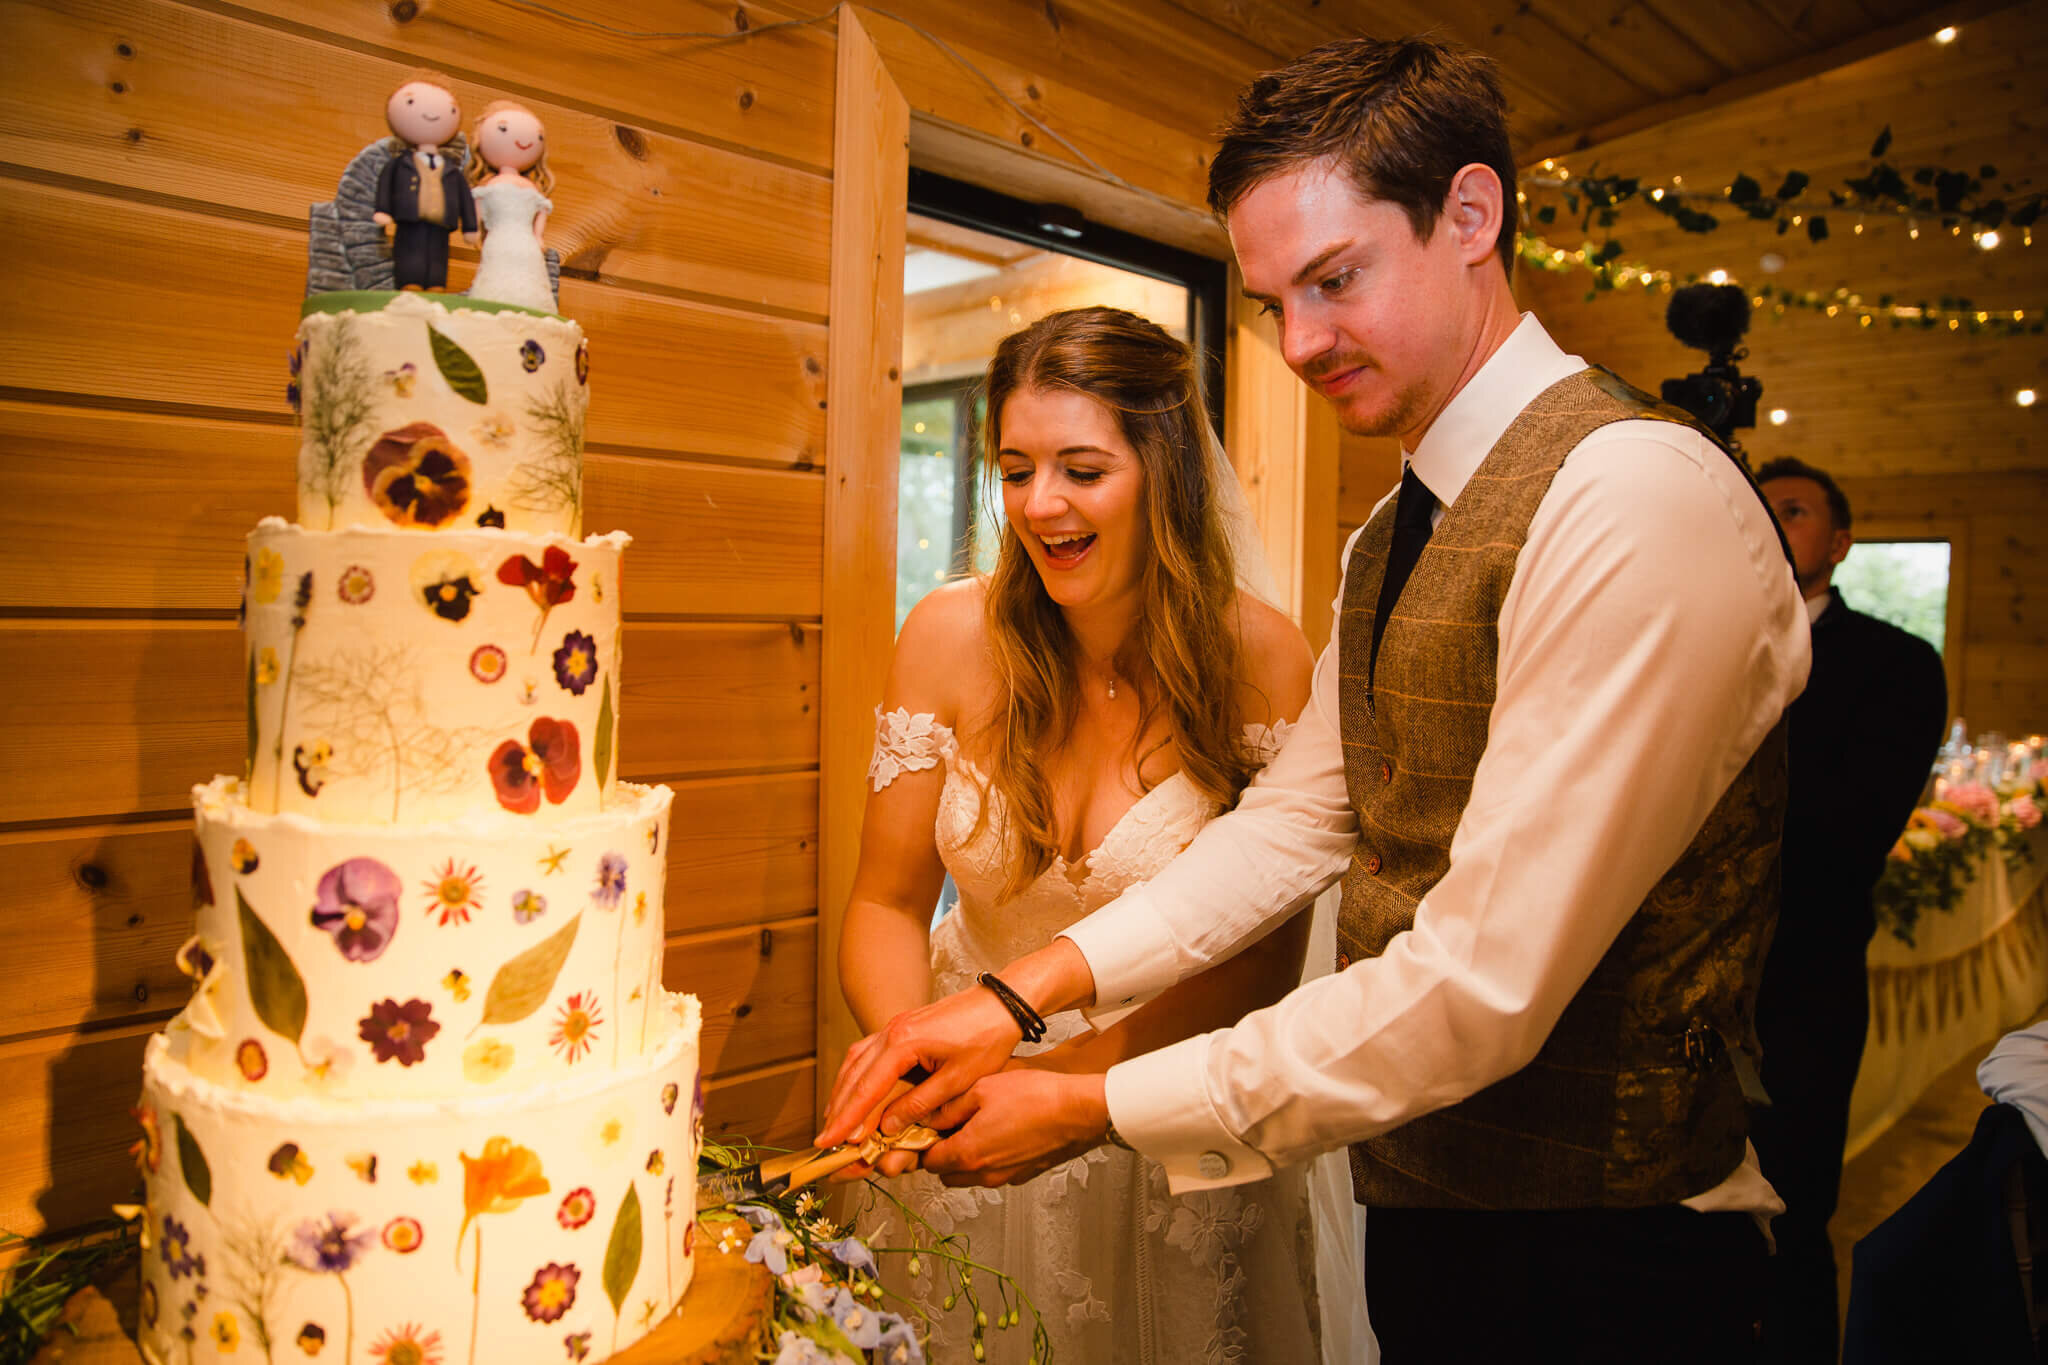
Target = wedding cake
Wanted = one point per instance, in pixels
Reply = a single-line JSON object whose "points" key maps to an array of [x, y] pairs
{"points": [[429, 1102]]}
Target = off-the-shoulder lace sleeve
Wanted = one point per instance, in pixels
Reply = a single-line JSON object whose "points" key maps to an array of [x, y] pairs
{"points": [[906, 744], [1265, 740]]}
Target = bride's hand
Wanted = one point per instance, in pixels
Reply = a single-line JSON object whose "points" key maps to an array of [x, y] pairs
{"points": [[959, 1040]]}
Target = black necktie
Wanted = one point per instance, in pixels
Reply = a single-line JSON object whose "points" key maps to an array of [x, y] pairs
{"points": [[1411, 532]]}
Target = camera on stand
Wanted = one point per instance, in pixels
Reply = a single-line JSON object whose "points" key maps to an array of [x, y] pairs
{"points": [[1713, 318]]}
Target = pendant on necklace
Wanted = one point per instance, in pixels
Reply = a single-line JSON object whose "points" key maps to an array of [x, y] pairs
{"points": [[1112, 687]]}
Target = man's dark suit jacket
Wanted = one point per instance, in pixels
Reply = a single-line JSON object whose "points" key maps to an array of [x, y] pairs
{"points": [[398, 192], [1862, 741]]}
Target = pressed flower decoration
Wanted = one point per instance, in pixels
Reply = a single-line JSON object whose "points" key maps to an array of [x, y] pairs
{"points": [[423, 1173], [309, 762], [149, 1304], [417, 476], [528, 906], [576, 1026], [402, 379], [656, 1165], [227, 1334], [250, 1061], [446, 581], [202, 878], [576, 662], [454, 892], [578, 1344], [495, 431], [364, 1164], [491, 516], [611, 880], [311, 1338], [356, 585], [403, 1235], [552, 1292], [266, 666], [266, 576], [487, 664], [549, 763], [329, 1246], [485, 1060], [669, 1094], [407, 1345], [578, 1207], [195, 957], [357, 904], [149, 1150], [243, 857], [583, 362], [399, 1033], [296, 361], [457, 984], [549, 583], [531, 356], [498, 1181]]}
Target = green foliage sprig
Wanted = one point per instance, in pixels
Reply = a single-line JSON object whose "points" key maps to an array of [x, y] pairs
{"points": [[35, 1289]]}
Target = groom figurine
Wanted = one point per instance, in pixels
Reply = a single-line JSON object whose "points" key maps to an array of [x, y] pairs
{"points": [[1546, 752], [422, 195]]}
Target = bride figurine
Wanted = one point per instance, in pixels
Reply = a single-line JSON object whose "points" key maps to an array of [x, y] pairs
{"points": [[509, 168]]}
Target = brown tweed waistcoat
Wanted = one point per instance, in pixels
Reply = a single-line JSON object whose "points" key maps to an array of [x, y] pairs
{"points": [[1633, 1098]]}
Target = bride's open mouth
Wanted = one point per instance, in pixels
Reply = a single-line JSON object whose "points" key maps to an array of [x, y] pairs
{"points": [[1067, 551]]}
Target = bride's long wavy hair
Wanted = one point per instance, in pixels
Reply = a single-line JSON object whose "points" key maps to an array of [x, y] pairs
{"points": [[1184, 654]]}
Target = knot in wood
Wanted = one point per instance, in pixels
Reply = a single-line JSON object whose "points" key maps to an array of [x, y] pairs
{"points": [[405, 11], [631, 140], [92, 876]]}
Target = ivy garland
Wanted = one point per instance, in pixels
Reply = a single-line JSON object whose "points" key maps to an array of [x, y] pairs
{"points": [[1955, 197]]}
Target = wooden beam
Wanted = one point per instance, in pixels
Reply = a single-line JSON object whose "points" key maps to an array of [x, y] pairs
{"points": [[871, 170], [1870, 44]]}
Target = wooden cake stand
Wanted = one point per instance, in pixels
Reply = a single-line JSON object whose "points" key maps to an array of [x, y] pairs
{"points": [[723, 1320]]}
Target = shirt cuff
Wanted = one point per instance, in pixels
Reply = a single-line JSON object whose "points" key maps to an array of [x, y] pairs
{"points": [[1128, 952], [1160, 1105]]}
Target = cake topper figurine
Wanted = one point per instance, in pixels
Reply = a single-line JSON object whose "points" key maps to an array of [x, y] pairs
{"points": [[422, 195], [509, 167]]}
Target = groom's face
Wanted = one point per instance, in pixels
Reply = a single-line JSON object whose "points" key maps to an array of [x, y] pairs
{"points": [[1368, 313]]}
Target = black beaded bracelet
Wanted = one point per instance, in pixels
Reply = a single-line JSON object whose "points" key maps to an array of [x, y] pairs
{"points": [[1029, 1021]]}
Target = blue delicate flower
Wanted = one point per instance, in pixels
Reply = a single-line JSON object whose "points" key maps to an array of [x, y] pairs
{"points": [[898, 1344], [770, 1248], [760, 1215], [531, 355], [176, 1248], [852, 1253], [528, 906], [862, 1324], [330, 1246], [576, 662], [611, 880]]}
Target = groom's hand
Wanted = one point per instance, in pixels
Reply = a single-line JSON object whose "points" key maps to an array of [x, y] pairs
{"points": [[1017, 1125], [958, 1040]]}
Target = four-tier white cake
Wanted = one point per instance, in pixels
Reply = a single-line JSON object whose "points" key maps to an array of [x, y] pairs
{"points": [[429, 1103]]}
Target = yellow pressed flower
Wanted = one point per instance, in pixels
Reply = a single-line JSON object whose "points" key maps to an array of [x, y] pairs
{"points": [[266, 666], [266, 576], [227, 1335], [486, 1059], [423, 1173], [457, 983]]}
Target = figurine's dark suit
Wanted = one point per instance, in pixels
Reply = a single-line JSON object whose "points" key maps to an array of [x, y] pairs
{"points": [[425, 207]]}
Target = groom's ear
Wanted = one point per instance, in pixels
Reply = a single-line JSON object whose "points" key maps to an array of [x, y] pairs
{"points": [[1472, 212]]}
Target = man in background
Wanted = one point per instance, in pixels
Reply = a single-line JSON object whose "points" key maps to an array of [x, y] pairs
{"points": [[1862, 741]]}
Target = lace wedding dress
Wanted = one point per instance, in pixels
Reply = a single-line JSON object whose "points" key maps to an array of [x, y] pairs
{"points": [[510, 267], [1121, 1271]]}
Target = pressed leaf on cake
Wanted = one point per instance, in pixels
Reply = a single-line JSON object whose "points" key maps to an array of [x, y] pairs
{"points": [[622, 1254], [199, 1176], [276, 989], [523, 984], [459, 368]]}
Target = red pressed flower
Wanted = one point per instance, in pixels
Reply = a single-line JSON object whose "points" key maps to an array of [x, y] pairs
{"points": [[399, 1033], [550, 762], [249, 1057], [578, 1206], [552, 1293], [403, 1235], [549, 583]]}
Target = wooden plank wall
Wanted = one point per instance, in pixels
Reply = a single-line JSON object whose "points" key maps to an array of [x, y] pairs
{"points": [[156, 161]]}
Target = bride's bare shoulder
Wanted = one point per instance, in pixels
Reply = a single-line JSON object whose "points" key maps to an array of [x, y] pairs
{"points": [[942, 652], [1276, 661]]}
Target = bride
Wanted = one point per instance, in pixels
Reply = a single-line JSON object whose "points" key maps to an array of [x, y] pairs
{"points": [[509, 168], [1052, 733]]}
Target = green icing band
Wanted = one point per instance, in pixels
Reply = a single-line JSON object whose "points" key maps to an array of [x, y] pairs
{"points": [[374, 300]]}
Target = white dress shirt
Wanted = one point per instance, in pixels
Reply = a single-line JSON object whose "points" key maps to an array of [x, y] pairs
{"points": [[1652, 635]]}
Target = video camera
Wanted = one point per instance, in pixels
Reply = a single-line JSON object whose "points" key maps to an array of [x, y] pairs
{"points": [[1713, 318]]}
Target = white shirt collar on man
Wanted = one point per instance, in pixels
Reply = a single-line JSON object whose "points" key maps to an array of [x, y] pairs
{"points": [[1526, 364]]}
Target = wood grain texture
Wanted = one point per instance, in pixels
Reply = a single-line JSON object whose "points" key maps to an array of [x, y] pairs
{"points": [[707, 540], [123, 309], [870, 160], [146, 710], [758, 988], [770, 1106], [769, 92], [632, 204]]}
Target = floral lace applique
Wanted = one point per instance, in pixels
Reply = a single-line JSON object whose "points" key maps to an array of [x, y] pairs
{"points": [[906, 744]]}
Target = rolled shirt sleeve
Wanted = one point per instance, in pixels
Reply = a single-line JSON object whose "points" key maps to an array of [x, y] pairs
{"points": [[1651, 637]]}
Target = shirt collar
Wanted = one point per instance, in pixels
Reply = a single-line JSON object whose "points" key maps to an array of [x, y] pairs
{"points": [[1526, 364]]}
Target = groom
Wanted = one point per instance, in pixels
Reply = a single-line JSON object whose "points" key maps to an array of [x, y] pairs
{"points": [[1546, 752]]}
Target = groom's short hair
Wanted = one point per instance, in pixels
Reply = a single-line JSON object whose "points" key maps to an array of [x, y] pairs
{"points": [[1401, 116]]}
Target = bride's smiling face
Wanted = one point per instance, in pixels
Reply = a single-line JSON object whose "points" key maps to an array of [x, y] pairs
{"points": [[1073, 491], [511, 139]]}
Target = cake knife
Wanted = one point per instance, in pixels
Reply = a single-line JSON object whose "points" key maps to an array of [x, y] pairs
{"points": [[792, 1171]]}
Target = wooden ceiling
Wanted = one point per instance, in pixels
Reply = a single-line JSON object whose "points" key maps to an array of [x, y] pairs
{"points": [[1864, 401]]}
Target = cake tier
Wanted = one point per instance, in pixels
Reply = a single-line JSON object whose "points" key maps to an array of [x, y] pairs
{"points": [[437, 412], [394, 677], [366, 961], [526, 1227]]}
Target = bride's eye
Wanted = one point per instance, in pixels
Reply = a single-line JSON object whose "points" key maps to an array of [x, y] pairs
{"points": [[1085, 475]]}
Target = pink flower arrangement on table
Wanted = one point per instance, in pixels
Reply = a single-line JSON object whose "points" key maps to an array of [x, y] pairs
{"points": [[1973, 800], [1943, 845]]}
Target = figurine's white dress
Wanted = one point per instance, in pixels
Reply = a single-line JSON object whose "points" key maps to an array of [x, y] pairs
{"points": [[510, 267], [1122, 1272]]}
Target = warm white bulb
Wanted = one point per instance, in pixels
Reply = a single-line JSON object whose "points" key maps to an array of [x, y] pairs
{"points": [[1717, 276], [1987, 241], [1946, 35], [2025, 398], [1779, 417]]}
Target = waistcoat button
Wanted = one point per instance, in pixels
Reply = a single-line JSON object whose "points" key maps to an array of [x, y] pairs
{"points": [[1372, 864], [1343, 961], [1386, 773], [1213, 1165]]}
